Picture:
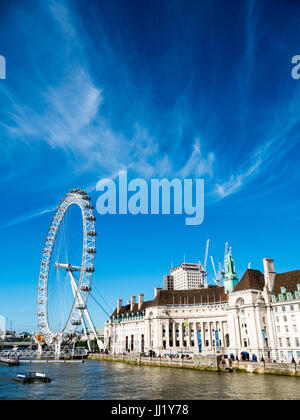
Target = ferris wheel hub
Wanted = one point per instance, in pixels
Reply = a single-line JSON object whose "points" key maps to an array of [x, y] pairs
{"points": [[67, 267]]}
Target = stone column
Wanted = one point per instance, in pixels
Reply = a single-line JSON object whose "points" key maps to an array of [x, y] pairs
{"points": [[190, 336], [259, 332], [214, 326], [253, 329], [210, 324], [148, 336], [174, 336], [222, 335], [195, 337], [168, 334], [203, 336], [238, 332], [272, 334], [181, 324], [159, 344]]}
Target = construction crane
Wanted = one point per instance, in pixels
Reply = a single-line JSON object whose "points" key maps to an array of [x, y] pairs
{"points": [[206, 254], [217, 275], [221, 272], [203, 268]]}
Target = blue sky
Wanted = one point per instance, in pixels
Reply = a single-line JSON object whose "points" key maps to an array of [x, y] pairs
{"points": [[194, 89]]}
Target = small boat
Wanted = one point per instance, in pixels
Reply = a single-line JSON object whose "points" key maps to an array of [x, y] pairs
{"points": [[9, 362], [32, 378]]}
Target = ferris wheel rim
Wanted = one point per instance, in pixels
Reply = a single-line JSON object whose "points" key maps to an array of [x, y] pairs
{"points": [[80, 198]]}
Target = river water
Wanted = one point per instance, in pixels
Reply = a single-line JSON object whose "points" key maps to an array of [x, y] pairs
{"points": [[96, 380]]}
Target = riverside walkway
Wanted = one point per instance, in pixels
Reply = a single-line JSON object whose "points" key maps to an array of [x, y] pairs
{"points": [[205, 363]]}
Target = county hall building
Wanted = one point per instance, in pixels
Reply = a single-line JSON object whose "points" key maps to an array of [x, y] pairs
{"points": [[256, 317]]}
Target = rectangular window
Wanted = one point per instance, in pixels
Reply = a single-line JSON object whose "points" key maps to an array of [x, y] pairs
{"points": [[132, 343], [143, 343]]}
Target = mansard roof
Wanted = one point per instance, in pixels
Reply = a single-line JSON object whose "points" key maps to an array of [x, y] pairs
{"points": [[255, 280], [178, 297], [192, 296], [127, 309], [252, 279], [288, 280]]}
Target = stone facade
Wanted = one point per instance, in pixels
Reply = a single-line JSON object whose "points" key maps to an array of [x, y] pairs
{"points": [[259, 319]]}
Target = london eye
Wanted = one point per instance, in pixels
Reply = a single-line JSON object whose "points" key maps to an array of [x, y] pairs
{"points": [[66, 271]]}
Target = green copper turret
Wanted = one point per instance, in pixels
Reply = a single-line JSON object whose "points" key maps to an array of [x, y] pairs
{"points": [[231, 278]]}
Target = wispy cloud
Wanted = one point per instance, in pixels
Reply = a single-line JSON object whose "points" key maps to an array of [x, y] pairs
{"points": [[26, 217], [104, 126], [280, 137], [71, 118], [198, 165]]}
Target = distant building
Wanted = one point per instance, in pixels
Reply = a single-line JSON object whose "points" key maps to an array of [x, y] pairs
{"points": [[256, 317], [91, 335], [186, 277], [168, 282]]}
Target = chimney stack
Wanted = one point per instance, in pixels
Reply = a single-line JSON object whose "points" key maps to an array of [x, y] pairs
{"points": [[270, 274], [119, 305], [133, 298], [141, 301], [156, 291]]}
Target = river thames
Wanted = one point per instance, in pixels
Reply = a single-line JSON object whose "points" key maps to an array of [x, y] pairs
{"points": [[96, 380]]}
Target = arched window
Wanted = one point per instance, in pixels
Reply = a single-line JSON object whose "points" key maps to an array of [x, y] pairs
{"points": [[239, 302]]}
